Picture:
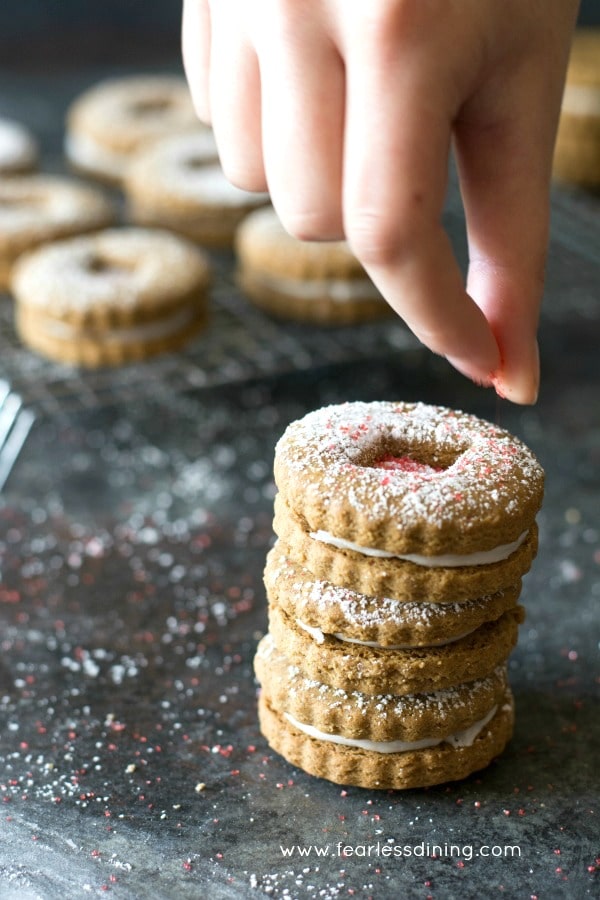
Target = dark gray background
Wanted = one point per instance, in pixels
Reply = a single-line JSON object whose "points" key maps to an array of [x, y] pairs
{"points": [[72, 32]]}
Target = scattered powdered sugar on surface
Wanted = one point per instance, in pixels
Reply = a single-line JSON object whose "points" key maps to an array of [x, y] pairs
{"points": [[490, 471]]}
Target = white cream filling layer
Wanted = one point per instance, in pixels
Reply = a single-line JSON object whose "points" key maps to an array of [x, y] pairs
{"points": [[447, 560], [581, 100], [319, 637], [147, 331], [464, 738], [335, 289]]}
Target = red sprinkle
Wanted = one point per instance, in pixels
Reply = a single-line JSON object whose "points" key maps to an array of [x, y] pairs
{"points": [[405, 464]]}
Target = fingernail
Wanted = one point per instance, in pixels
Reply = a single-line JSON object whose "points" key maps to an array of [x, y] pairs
{"points": [[521, 386]]}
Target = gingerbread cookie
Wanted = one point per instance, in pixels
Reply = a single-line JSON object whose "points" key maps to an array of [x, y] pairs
{"points": [[372, 716], [18, 148], [381, 740], [113, 297], [113, 120], [325, 608], [36, 209], [577, 152], [398, 670], [175, 185], [404, 532], [309, 281]]}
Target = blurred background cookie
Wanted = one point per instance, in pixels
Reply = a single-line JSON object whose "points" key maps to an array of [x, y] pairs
{"points": [[304, 280], [116, 118], [114, 297], [35, 209], [18, 148], [577, 153], [172, 185]]}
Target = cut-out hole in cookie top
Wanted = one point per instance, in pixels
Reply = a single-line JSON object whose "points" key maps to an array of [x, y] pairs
{"points": [[405, 465], [151, 107], [196, 162], [96, 264]]}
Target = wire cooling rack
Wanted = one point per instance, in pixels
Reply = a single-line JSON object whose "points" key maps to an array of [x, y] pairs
{"points": [[240, 343]]}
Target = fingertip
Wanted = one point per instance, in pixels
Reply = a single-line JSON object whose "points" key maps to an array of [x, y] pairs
{"points": [[520, 384]]}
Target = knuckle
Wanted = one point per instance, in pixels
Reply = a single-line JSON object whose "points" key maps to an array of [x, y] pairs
{"points": [[373, 239]]}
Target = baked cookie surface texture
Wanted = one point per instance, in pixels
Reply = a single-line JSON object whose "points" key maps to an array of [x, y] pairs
{"points": [[36, 209], [113, 120], [404, 531], [178, 184], [113, 297], [577, 151], [308, 281], [18, 148]]}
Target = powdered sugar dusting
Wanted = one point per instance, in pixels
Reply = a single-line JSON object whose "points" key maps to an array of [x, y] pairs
{"points": [[465, 469]]}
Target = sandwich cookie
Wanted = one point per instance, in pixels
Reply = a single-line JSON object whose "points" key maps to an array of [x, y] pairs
{"points": [[113, 297], [395, 669], [323, 608], [175, 185], [309, 281], [18, 148], [36, 209], [577, 151], [116, 118], [381, 740]]}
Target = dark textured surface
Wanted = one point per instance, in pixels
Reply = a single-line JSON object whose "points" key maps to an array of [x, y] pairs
{"points": [[133, 532]]}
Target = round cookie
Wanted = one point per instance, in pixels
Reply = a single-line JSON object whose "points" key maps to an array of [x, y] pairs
{"points": [[36, 209], [577, 152], [115, 119], [375, 717], [339, 611], [113, 297], [363, 766], [18, 148], [354, 667], [173, 184], [389, 577], [438, 486], [309, 281]]}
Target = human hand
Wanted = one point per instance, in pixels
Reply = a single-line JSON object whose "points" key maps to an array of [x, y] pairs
{"points": [[345, 111]]}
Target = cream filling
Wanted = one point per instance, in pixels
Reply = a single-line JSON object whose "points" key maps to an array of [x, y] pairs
{"points": [[146, 331], [464, 738], [335, 289], [319, 637], [581, 100], [446, 560]]}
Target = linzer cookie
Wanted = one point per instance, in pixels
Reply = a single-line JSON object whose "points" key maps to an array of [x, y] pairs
{"points": [[113, 297], [438, 487], [36, 209], [404, 532], [113, 120], [178, 185], [388, 764], [18, 148], [577, 152], [323, 608], [398, 669], [381, 740], [307, 281]]}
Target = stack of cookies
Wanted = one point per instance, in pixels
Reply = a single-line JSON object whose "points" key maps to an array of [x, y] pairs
{"points": [[404, 531]]}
